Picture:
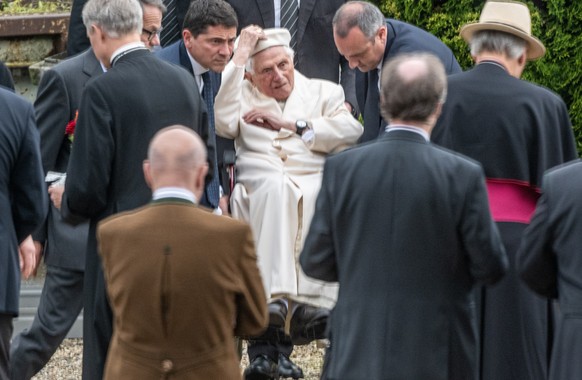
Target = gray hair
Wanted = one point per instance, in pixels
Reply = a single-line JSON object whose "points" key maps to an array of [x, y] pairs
{"points": [[249, 67], [498, 42], [361, 14], [154, 3], [415, 97], [117, 18]]}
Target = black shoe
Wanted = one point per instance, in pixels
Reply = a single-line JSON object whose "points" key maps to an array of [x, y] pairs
{"points": [[289, 369], [277, 313], [262, 368], [308, 323]]}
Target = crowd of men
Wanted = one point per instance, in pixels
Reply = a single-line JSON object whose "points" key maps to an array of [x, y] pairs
{"points": [[404, 241]]}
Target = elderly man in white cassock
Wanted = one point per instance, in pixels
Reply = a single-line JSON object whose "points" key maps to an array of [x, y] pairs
{"points": [[284, 125]]}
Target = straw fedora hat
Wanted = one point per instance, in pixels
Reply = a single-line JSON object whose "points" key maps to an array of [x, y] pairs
{"points": [[509, 17]]}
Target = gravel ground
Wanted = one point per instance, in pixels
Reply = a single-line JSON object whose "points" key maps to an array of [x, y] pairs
{"points": [[66, 362]]}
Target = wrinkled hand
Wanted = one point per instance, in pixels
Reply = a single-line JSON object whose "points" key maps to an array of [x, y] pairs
{"points": [[246, 43], [56, 195], [26, 253], [267, 120]]}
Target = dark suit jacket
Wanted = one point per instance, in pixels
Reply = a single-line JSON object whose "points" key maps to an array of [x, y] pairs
{"points": [[402, 38], [517, 131], [23, 197], [316, 55], [204, 288], [549, 261], [413, 235], [176, 54], [526, 126], [6, 77], [57, 102], [119, 114]]}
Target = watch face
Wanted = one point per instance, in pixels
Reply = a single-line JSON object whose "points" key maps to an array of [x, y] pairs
{"points": [[301, 124]]}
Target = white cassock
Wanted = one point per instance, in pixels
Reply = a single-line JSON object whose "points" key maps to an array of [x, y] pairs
{"points": [[279, 174]]}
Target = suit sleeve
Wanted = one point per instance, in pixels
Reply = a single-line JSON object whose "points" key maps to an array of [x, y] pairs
{"points": [[252, 316], [536, 262], [29, 196], [90, 164], [348, 82], [318, 258], [487, 258]]}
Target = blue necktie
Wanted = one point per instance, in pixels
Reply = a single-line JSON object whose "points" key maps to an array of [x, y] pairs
{"points": [[212, 189]]}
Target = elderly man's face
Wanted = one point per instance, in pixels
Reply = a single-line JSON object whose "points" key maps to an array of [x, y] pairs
{"points": [[360, 51], [152, 24], [213, 48], [273, 73]]}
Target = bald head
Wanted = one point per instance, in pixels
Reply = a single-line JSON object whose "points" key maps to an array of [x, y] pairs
{"points": [[413, 88], [176, 158]]}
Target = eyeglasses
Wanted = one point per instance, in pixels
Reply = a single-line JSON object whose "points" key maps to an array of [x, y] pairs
{"points": [[151, 34]]}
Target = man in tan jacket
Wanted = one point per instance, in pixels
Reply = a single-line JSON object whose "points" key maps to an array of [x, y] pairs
{"points": [[182, 282]]}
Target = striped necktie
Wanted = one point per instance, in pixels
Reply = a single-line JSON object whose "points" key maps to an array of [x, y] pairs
{"points": [[289, 17], [170, 28], [212, 189]]}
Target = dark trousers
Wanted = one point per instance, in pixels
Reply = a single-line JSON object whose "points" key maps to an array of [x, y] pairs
{"points": [[97, 318], [270, 348], [60, 303], [5, 335]]}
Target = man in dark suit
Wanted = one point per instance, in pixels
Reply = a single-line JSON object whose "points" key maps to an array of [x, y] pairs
{"points": [[516, 130], [119, 113], [315, 53], [211, 287], [64, 245], [77, 41], [417, 319], [207, 43], [23, 204], [548, 261], [367, 40]]}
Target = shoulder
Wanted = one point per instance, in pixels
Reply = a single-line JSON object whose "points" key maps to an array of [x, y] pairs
{"points": [[312, 85], [170, 53], [563, 172]]}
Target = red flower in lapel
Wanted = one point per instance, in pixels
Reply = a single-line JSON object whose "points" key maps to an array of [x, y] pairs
{"points": [[70, 129]]}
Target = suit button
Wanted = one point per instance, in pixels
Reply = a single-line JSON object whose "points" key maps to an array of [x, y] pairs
{"points": [[277, 144], [167, 365]]}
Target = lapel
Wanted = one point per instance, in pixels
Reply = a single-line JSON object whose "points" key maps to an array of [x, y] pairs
{"points": [[267, 9], [305, 11], [184, 59]]}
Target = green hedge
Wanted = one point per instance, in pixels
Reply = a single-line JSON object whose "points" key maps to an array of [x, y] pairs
{"points": [[557, 23]]}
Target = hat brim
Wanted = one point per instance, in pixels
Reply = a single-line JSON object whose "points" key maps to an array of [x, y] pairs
{"points": [[535, 48]]}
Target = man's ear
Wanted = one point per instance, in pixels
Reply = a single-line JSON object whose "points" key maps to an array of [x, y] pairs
{"points": [[147, 173], [249, 77]]}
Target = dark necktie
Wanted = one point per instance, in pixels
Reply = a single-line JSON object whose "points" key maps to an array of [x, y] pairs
{"points": [[372, 119], [212, 190], [289, 16], [170, 28]]}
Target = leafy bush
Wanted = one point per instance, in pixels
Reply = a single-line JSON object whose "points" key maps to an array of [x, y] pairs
{"points": [[557, 23]]}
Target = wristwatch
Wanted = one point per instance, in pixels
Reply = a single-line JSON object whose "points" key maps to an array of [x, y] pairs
{"points": [[301, 126]]}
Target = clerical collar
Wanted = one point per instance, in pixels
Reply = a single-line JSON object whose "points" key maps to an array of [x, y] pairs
{"points": [[409, 128], [174, 192], [125, 49], [491, 62]]}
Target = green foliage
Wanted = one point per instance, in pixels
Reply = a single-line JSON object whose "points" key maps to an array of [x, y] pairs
{"points": [[558, 25], [19, 7]]}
